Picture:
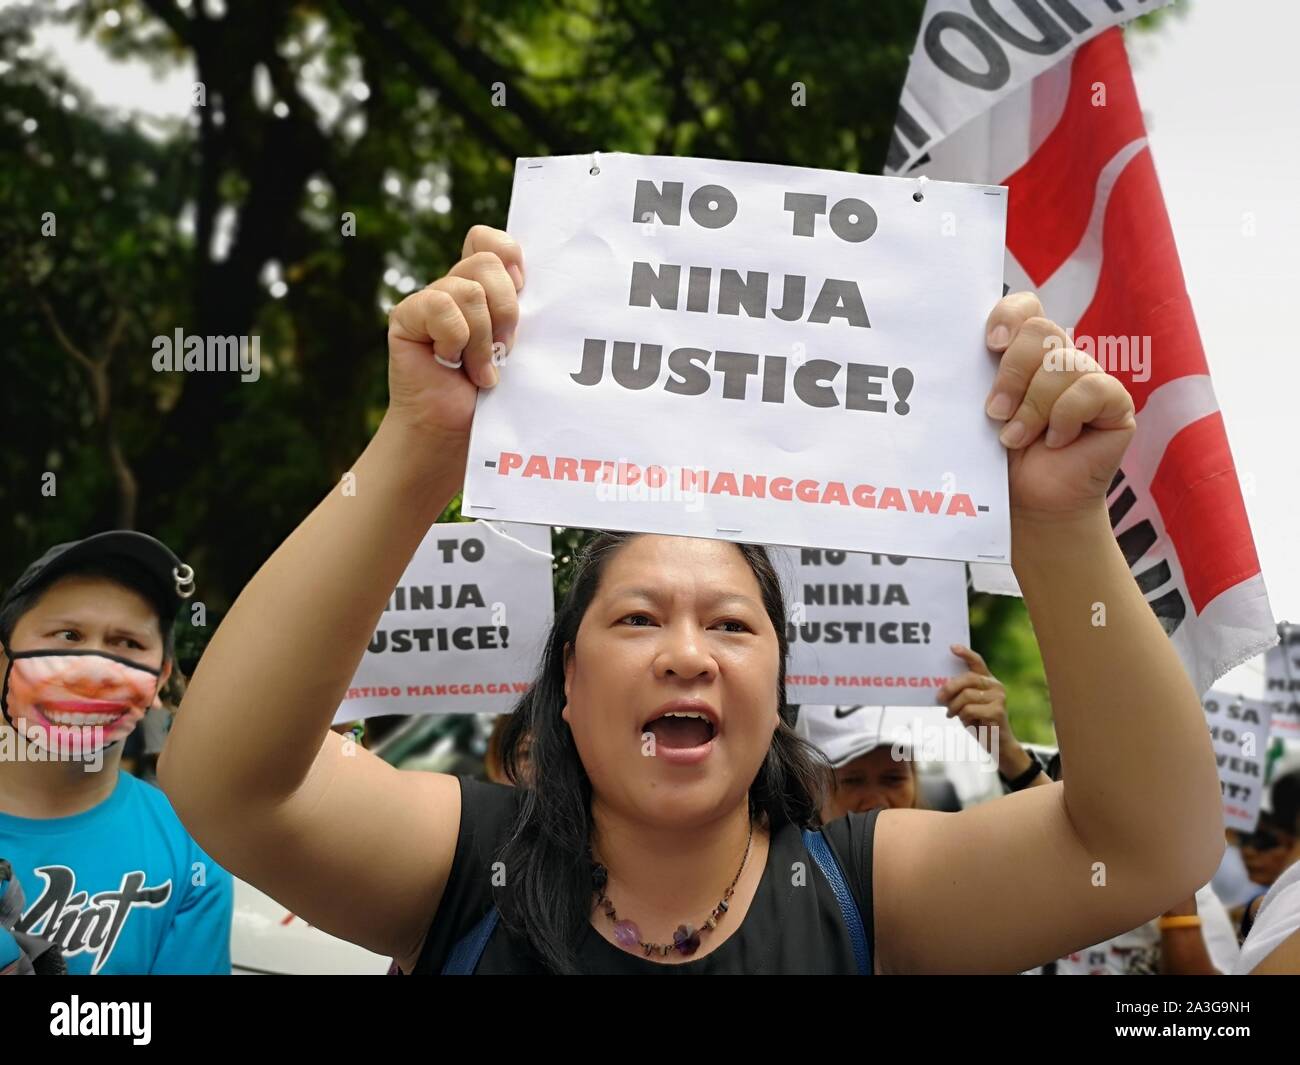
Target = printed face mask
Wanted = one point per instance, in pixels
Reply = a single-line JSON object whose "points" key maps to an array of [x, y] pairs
{"points": [[75, 702]]}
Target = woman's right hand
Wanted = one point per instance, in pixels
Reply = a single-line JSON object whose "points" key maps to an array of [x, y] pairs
{"points": [[458, 318]]}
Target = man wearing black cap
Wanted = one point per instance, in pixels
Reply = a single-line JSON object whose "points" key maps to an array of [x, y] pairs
{"points": [[115, 880]]}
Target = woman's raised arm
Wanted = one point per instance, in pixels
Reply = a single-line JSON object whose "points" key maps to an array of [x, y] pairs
{"points": [[1136, 824], [251, 765]]}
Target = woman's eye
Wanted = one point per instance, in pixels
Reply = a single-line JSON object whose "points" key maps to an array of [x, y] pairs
{"points": [[740, 625], [132, 644], [643, 617], [71, 634]]}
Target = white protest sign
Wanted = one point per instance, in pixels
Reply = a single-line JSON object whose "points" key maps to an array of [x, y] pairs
{"points": [[1239, 728], [1282, 681], [864, 627], [972, 53], [748, 352], [463, 629]]}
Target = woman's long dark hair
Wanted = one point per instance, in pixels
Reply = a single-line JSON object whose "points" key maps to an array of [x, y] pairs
{"points": [[548, 895]]}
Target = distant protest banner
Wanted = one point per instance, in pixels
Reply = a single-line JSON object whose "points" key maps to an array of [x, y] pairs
{"points": [[750, 352], [969, 56], [1282, 681], [1239, 728], [868, 628], [464, 627]]}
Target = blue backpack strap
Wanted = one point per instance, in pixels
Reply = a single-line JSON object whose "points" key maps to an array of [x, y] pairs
{"points": [[825, 859], [464, 956]]}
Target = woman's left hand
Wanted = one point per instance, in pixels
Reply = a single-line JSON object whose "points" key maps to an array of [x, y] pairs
{"points": [[1067, 421]]}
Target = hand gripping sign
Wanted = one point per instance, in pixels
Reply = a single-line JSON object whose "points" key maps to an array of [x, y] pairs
{"points": [[749, 352]]}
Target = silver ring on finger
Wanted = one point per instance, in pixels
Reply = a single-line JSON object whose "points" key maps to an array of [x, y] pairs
{"points": [[450, 365]]}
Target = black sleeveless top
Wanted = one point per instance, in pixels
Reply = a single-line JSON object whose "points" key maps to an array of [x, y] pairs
{"points": [[793, 925]]}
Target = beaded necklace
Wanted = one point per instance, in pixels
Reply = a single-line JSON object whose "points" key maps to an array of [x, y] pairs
{"points": [[686, 940]]}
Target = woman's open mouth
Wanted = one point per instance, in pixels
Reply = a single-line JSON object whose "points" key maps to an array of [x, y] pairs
{"points": [[682, 737]]}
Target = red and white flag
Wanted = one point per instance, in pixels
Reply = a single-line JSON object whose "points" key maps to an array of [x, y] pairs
{"points": [[1039, 97]]}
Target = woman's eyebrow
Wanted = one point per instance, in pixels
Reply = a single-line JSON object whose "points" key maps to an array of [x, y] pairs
{"points": [[629, 592], [731, 597], [656, 595]]}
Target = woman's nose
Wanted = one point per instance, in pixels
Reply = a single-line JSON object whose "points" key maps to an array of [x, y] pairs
{"points": [[682, 652]]}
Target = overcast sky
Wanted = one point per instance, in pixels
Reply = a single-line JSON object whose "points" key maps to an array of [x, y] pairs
{"points": [[1221, 89]]}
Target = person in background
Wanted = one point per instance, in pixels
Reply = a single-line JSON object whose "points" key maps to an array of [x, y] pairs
{"points": [[1232, 881], [866, 770], [859, 747], [1274, 846], [111, 875], [1193, 938], [1272, 855], [1263, 853]]}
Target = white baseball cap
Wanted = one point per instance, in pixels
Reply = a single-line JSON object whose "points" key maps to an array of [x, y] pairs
{"points": [[844, 733]]}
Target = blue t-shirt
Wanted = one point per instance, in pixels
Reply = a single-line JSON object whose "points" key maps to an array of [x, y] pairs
{"points": [[122, 888]]}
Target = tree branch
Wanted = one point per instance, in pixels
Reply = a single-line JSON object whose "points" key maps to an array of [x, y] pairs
{"points": [[101, 392], [115, 331], [64, 340]]}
